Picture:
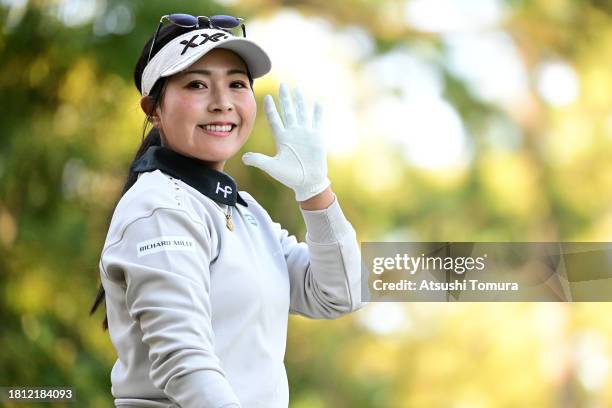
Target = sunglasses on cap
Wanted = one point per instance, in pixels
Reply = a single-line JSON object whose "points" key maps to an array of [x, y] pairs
{"points": [[222, 22]]}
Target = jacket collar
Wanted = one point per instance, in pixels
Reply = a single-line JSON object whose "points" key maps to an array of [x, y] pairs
{"points": [[214, 184]]}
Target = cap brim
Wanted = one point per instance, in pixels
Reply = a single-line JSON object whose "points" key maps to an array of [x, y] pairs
{"points": [[253, 55]]}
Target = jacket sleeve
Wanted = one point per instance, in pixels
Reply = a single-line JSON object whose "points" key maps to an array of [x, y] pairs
{"points": [[324, 272], [165, 260]]}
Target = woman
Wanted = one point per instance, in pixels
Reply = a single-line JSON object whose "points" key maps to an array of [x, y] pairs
{"points": [[197, 278]]}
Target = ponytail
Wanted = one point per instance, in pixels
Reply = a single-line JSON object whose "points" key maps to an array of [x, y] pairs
{"points": [[153, 138]]}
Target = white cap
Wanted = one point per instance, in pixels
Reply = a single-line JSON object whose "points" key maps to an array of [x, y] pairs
{"points": [[187, 48]]}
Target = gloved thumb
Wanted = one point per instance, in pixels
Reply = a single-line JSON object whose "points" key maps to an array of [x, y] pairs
{"points": [[258, 160]]}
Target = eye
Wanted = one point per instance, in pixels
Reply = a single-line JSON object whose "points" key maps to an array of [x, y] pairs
{"points": [[239, 84], [195, 84]]}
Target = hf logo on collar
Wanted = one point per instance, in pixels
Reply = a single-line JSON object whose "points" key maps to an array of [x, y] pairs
{"points": [[226, 190], [191, 44]]}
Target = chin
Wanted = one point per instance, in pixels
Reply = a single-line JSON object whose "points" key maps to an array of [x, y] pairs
{"points": [[212, 156], [211, 152]]}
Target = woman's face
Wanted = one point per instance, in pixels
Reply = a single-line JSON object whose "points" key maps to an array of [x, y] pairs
{"points": [[208, 110]]}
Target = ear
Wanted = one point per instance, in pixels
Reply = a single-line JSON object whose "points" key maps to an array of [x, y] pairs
{"points": [[146, 103]]}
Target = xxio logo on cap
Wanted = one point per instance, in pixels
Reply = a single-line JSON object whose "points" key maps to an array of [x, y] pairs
{"points": [[223, 190], [191, 44]]}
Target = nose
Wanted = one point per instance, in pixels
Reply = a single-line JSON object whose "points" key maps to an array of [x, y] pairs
{"points": [[220, 101]]}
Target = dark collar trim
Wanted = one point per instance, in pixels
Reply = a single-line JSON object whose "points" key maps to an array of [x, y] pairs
{"points": [[213, 184]]}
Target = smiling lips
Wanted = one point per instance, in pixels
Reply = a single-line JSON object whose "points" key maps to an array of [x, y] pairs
{"points": [[218, 128]]}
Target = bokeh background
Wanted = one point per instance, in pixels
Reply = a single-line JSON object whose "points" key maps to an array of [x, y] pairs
{"points": [[446, 120]]}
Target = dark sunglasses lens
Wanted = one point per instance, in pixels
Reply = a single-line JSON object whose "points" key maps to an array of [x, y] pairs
{"points": [[225, 21], [186, 20]]}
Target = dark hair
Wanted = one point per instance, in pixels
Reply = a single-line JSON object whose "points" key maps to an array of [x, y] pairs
{"points": [[153, 138]]}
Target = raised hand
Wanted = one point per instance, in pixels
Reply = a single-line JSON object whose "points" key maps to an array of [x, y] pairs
{"points": [[300, 160]]}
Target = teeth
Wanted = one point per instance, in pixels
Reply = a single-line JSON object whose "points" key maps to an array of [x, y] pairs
{"points": [[218, 128]]}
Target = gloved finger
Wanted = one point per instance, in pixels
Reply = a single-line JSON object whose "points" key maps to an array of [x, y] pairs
{"points": [[317, 116], [303, 116], [261, 161], [273, 118], [287, 106]]}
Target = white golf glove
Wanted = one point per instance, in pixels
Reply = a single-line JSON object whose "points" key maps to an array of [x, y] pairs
{"points": [[300, 161]]}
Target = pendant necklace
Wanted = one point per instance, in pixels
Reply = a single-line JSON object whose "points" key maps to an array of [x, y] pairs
{"points": [[228, 219], [228, 216]]}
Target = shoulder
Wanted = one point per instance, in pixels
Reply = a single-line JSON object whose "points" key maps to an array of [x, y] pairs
{"points": [[153, 194], [152, 190]]}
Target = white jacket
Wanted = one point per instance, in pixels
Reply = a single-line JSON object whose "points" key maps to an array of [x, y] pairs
{"points": [[198, 313]]}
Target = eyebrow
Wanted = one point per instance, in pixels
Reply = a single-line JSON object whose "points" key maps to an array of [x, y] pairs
{"points": [[207, 72]]}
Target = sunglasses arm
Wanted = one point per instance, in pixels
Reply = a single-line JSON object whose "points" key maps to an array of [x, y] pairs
{"points": [[159, 26]]}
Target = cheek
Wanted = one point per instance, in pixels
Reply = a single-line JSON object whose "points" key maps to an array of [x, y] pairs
{"points": [[249, 111], [180, 110]]}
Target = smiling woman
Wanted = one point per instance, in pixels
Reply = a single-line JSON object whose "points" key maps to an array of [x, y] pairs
{"points": [[198, 279]]}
